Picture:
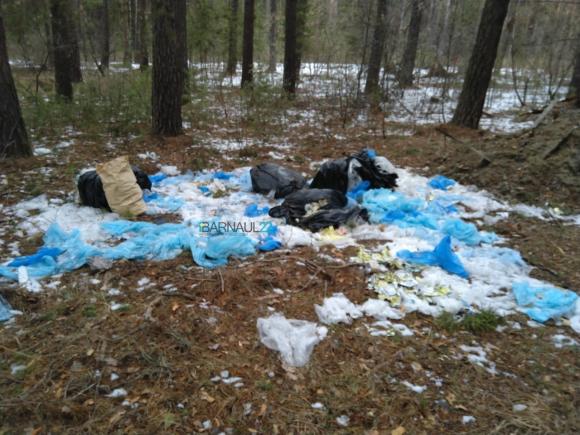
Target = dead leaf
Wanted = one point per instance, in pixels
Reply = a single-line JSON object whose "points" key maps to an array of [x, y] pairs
{"points": [[207, 397], [398, 431], [90, 352]]}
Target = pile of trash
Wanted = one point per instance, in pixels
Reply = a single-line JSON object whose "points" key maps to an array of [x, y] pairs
{"points": [[431, 258]]}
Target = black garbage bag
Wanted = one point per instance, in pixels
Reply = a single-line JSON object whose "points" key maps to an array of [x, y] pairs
{"points": [[347, 172], [91, 191], [336, 217], [307, 201], [268, 177]]}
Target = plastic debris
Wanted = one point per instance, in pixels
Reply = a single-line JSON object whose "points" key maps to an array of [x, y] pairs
{"points": [[519, 407], [294, 339], [466, 232], [467, 419], [544, 302], [343, 420], [38, 257], [269, 177], [441, 182], [214, 251], [5, 310], [415, 388], [441, 256], [253, 210], [337, 309]]}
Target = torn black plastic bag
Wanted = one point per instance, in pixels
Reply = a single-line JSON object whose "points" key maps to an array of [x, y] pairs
{"points": [[91, 190], [306, 202], [346, 173], [336, 217], [268, 177]]}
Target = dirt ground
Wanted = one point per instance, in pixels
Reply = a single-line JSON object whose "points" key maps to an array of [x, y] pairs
{"points": [[164, 347]]}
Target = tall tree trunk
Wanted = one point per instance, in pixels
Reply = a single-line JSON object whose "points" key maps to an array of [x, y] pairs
{"points": [[133, 29], [105, 35], [167, 70], [248, 51], [290, 77], [233, 38], [126, 17], [575, 82], [301, 16], [13, 138], [478, 75], [74, 26], [181, 29], [410, 53], [272, 35], [62, 47], [377, 47], [143, 36]]}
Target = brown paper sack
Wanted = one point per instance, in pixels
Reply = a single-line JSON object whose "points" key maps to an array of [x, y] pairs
{"points": [[121, 189]]}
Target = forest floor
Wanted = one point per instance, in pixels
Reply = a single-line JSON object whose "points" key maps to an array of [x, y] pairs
{"points": [[163, 348]]}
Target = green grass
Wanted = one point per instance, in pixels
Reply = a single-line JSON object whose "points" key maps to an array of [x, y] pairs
{"points": [[476, 323]]}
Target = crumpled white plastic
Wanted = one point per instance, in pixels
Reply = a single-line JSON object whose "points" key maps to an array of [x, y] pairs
{"points": [[294, 339], [337, 309]]}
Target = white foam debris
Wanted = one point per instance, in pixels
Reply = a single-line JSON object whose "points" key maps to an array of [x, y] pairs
{"points": [[343, 420], [519, 407], [478, 356], [337, 309], [294, 339], [467, 419], [561, 340], [117, 392], [415, 388], [317, 405]]}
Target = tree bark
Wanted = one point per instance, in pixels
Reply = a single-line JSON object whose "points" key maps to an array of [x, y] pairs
{"points": [[143, 55], [410, 53], [377, 47], [73, 17], [272, 35], [233, 38], [478, 75], [575, 82], [181, 29], [105, 35], [133, 29], [62, 48], [301, 16], [248, 43], [13, 138], [291, 61], [167, 70]]}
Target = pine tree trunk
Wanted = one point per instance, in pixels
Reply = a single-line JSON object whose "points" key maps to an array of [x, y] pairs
{"points": [[233, 38], [290, 77], [248, 43], [410, 53], [167, 70], [574, 89], [272, 36], [133, 29], [143, 36], [301, 15], [478, 75], [377, 47], [13, 138], [62, 48], [126, 16], [105, 35], [73, 16], [181, 28]]}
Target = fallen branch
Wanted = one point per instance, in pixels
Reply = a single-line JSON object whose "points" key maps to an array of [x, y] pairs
{"points": [[485, 161], [561, 142], [544, 114]]}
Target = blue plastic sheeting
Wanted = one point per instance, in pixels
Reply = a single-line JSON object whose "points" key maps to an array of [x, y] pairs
{"points": [[357, 191], [442, 256], [544, 302], [466, 232], [442, 183], [29, 260], [371, 153], [214, 251], [5, 310], [253, 210], [221, 175], [205, 190], [157, 178], [269, 244]]}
